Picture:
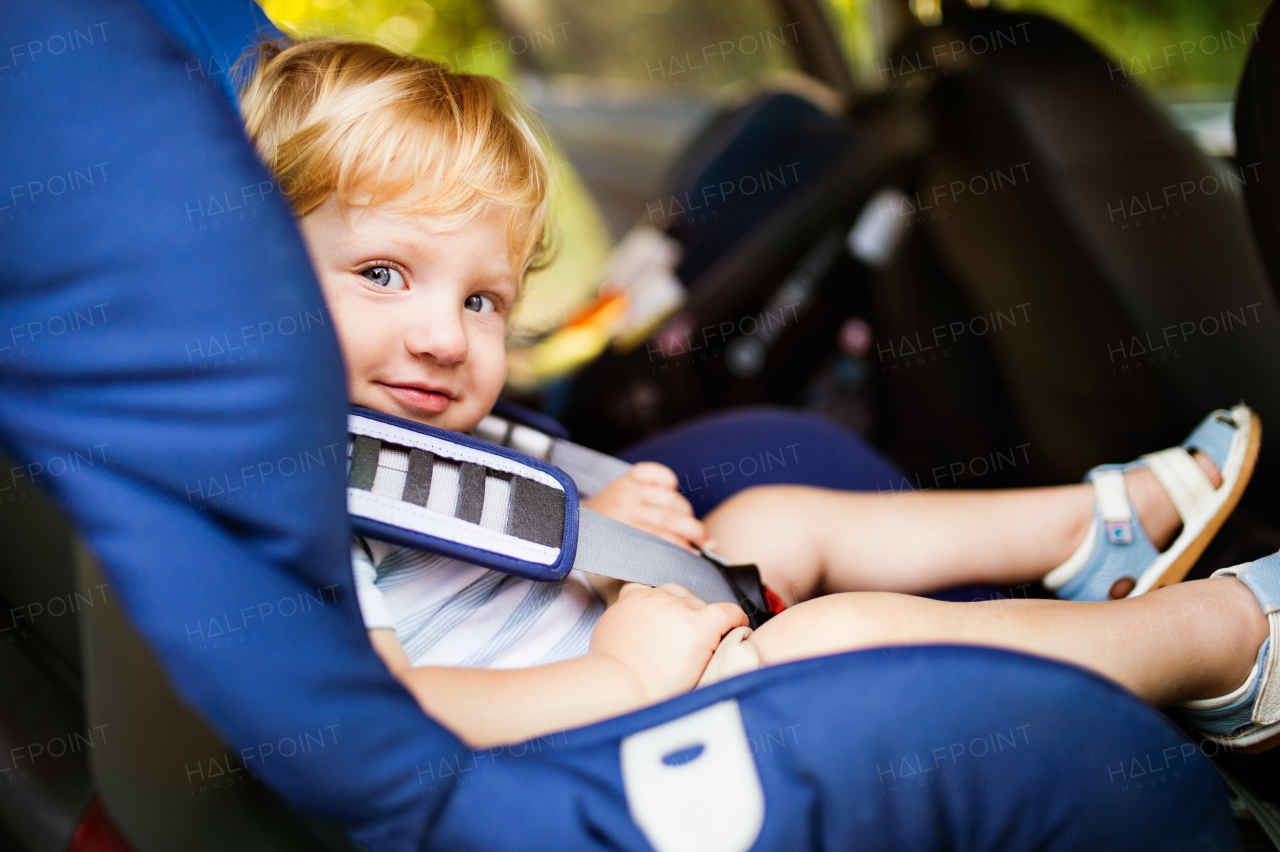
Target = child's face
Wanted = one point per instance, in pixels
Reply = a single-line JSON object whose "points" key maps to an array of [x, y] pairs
{"points": [[420, 311]]}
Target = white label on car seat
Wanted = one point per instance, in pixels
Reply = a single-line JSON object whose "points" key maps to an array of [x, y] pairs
{"points": [[692, 785]]}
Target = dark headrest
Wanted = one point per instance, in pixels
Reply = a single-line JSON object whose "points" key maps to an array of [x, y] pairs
{"points": [[1258, 137]]}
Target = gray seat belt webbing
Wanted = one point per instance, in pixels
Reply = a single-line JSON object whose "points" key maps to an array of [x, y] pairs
{"points": [[613, 549], [590, 469]]}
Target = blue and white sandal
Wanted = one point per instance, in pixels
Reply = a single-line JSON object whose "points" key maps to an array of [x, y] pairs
{"points": [[1247, 718], [1117, 559]]}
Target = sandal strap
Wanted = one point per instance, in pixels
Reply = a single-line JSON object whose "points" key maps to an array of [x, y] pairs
{"points": [[1267, 710], [1112, 496], [1214, 436], [1263, 579], [1183, 480], [1116, 545]]}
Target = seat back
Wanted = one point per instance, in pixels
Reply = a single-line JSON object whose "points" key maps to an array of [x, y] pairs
{"points": [[166, 779], [37, 575], [44, 782], [1082, 242], [80, 674], [1257, 125]]}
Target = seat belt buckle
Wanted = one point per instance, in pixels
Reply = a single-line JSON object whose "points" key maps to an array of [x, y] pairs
{"points": [[752, 595], [774, 601]]}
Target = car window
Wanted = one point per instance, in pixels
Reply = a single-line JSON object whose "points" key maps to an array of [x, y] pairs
{"points": [[661, 45], [1187, 54]]}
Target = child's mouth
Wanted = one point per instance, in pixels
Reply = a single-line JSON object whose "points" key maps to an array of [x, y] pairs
{"points": [[419, 399]]}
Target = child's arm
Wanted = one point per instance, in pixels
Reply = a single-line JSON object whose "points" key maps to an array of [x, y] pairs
{"points": [[649, 498], [384, 641], [650, 645]]}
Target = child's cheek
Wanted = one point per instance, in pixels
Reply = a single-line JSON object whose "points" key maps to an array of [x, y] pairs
{"points": [[492, 323], [491, 366], [348, 323]]}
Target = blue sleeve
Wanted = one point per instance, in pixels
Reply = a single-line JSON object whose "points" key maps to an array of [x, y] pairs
{"points": [[168, 372], [218, 33]]}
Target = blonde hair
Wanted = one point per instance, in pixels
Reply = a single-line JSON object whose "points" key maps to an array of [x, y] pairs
{"points": [[368, 126]]}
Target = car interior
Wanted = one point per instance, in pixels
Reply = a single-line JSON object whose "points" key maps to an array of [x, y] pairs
{"points": [[1011, 239]]}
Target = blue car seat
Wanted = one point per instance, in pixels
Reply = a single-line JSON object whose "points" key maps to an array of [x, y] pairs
{"points": [[161, 312]]}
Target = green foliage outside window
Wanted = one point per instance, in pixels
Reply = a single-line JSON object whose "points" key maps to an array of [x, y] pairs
{"points": [[1192, 45], [452, 31]]}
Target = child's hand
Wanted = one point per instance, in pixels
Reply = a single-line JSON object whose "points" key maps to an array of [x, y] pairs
{"points": [[648, 498], [665, 636]]}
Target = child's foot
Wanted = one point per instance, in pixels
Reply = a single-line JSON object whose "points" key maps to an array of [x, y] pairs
{"points": [[1118, 557], [1248, 717]]}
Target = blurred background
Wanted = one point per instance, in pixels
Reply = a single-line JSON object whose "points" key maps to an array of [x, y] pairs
{"points": [[780, 202], [559, 51]]}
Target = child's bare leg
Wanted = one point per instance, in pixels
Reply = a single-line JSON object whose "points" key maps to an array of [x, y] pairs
{"points": [[1188, 641], [813, 541]]}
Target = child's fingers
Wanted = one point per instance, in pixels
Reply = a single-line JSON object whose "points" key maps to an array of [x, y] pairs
{"points": [[629, 589], [670, 537], [652, 473], [724, 616], [686, 526], [667, 523], [671, 500]]}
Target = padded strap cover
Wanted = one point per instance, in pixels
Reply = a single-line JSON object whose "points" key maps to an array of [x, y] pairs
{"points": [[418, 486]]}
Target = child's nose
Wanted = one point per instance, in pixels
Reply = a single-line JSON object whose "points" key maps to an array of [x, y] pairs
{"points": [[438, 337]]}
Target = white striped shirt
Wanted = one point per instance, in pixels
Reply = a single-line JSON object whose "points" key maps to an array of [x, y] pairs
{"points": [[451, 613]]}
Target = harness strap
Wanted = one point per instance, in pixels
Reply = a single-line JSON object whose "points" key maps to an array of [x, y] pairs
{"points": [[613, 549], [422, 487], [591, 470]]}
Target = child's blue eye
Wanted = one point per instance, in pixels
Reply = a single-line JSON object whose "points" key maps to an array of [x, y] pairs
{"points": [[479, 304], [384, 278]]}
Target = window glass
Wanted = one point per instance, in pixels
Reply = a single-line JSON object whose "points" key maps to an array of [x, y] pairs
{"points": [[460, 33], [1195, 46], [1187, 54], [662, 45], [859, 25]]}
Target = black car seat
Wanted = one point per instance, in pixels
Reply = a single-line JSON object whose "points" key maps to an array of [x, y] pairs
{"points": [[1058, 186], [1257, 126], [87, 712], [45, 785]]}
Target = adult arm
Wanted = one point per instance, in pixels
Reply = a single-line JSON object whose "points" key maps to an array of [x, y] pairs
{"points": [[169, 374]]}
